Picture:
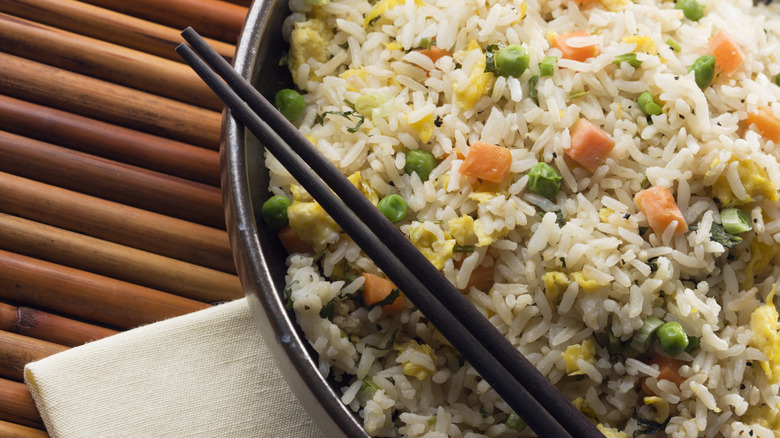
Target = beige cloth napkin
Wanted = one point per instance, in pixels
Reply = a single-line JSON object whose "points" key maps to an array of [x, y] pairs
{"points": [[206, 374]]}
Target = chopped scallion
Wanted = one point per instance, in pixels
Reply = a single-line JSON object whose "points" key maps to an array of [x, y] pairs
{"points": [[735, 221], [673, 45], [643, 338], [547, 66]]}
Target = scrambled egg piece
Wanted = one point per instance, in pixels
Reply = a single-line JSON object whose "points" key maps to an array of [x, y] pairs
{"points": [[615, 5], [753, 178], [582, 405], [643, 43], [610, 432], [312, 139], [424, 127], [357, 180], [418, 370], [585, 351], [308, 40], [661, 407], [395, 45], [766, 336], [555, 282], [482, 196], [462, 229], [483, 237], [478, 83], [761, 255], [312, 224], [354, 73], [604, 214], [436, 250], [763, 415], [383, 6], [585, 283]]}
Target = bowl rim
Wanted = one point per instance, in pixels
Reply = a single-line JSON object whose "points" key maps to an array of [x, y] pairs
{"points": [[286, 342]]}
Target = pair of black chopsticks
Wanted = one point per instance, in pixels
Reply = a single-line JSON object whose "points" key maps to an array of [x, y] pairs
{"points": [[510, 374]]}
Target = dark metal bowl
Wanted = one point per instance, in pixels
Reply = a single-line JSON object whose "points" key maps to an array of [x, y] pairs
{"points": [[257, 252]]}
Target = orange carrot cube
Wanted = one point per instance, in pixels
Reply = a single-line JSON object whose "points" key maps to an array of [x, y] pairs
{"points": [[487, 162], [660, 209], [590, 145], [577, 53], [728, 54]]}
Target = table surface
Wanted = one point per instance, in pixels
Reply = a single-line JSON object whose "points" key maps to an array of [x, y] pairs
{"points": [[110, 208]]}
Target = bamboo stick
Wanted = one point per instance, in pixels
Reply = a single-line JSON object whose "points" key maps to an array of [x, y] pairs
{"points": [[102, 60], [110, 180], [17, 405], [109, 141], [84, 295], [16, 351], [106, 25], [216, 19], [37, 324], [112, 260], [46, 85], [114, 222], [12, 430]]}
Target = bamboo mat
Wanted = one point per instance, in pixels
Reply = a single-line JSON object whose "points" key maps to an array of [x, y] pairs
{"points": [[110, 208]]}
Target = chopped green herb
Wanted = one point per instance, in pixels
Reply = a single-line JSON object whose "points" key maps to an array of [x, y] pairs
{"points": [[463, 248], [483, 412], [327, 310], [563, 260], [629, 58], [513, 421], [532, 88], [283, 59], [425, 44], [288, 294], [645, 182], [648, 427], [346, 114], [490, 59], [389, 299], [559, 219], [719, 234], [432, 421], [374, 20]]}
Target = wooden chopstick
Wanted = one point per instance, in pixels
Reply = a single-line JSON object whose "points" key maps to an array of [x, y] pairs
{"points": [[111, 180], [87, 253], [102, 60], [87, 96], [511, 375], [106, 25], [17, 405], [116, 222], [109, 141], [217, 19], [46, 326]]}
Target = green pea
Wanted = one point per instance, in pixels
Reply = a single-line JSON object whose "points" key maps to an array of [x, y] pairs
{"points": [[777, 79], [512, 60], [290, 103], [513, 421], [393, 207], [544, 180], [274, 211], [692, 9], [672, 337], [420, 162], [703, 69], [647, 104]]}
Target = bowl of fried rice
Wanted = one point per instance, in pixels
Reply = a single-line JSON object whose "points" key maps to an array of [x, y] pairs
{"points": [[598, 177]]}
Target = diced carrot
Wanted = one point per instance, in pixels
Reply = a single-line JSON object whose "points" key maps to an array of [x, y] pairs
{"points": [[291, 242], [575, 53], [668, 368], [728, 54], [766, 123], [434, 52], [487, 161], [659, 207], [590, 145], [376, 289]]}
